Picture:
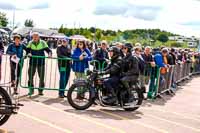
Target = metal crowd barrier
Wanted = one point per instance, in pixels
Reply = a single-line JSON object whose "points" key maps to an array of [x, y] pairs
{"points": [[162, 83], [183, 71], [5, 75], [196, 67], [51, 74], [48, 76], [5, 71], [166, 81]]}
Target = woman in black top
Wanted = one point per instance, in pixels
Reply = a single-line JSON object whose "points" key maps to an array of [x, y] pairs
{"points": [[64, 65]]}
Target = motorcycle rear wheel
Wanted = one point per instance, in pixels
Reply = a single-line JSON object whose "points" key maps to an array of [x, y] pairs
{"points": [[139, 101], [5, 101]]}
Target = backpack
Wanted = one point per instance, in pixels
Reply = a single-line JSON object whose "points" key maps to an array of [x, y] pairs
{"points": [[141, 64]]}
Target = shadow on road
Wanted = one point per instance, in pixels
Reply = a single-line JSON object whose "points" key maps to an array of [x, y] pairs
{"points": [[108, 114], [45, 100], [166, 97], [56, 100]]}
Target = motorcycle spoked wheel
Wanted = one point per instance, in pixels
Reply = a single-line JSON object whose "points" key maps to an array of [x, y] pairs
{"points": [[80, 97], [139, 96], [5, 100]]}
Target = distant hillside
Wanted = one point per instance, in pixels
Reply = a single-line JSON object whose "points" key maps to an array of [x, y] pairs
{"points": [[110, 35], [152, 37]]}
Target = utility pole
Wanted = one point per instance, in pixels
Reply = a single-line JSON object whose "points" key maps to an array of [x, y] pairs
{"points": [[79, 30], [13, 26], [95, 29], [74, 24]]}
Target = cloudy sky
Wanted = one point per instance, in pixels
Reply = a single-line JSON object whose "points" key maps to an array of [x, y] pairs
{"points": [[178, 16]]}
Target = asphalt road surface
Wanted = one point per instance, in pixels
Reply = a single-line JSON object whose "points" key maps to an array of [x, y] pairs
{"points": [[173, 114]]}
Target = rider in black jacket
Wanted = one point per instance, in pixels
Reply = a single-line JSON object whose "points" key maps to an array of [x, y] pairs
{"points": [[130, 70], [114, 69]]}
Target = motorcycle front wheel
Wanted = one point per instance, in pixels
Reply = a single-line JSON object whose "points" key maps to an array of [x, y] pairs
{"points": [[80, 97]]}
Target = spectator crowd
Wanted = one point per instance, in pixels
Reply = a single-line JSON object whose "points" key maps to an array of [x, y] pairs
{"points": [[83, 53]]}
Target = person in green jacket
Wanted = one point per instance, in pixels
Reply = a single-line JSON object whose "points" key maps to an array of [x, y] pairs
{"points": [[37, 47]]}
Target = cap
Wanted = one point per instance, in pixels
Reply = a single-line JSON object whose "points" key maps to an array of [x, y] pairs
{"points": [[128, 45], [16, 36], [138, 44], [110, 49], [35, 33], [164, 50], [65, 39], [104, 42]]}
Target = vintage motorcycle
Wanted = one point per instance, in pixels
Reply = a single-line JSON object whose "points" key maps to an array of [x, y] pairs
{"points": [[84, 93], [7, 107]]}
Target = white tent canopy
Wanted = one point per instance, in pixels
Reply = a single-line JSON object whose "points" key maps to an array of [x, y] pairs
{"points": [[43, 32], [3, 31], [78, 37], [59, 35]]}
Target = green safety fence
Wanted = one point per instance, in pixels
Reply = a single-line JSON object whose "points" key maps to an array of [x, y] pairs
{"points": [[175, 73], [153, 82], [43, 73]]}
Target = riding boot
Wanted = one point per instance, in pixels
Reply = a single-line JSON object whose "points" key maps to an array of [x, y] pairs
{"points": [[143, 89], [110, 99], [131, 97], [129, 89]]}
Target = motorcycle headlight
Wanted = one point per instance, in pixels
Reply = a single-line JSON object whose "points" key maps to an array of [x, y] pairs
{"points": [[87, 72]]}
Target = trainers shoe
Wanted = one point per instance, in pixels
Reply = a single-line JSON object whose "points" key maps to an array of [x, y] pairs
{"points": [[40, 93], [80, 97], [62, 96], [15, 91]]}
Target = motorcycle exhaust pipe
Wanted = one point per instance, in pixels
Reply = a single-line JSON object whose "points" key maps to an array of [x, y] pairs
{"points": [[6, 111]]}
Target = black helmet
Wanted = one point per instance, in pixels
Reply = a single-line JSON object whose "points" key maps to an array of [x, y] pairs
{"points": [[115, 50], [129, 46]]}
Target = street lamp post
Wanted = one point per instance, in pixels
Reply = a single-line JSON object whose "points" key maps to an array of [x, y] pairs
{"points": [[13, 26]]}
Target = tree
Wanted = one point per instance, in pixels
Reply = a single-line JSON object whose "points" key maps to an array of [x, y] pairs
{"points": [[3, 20], [61, 29], [175, 44], [98, 35], [162, 38], [28, 23], [92, 29]]}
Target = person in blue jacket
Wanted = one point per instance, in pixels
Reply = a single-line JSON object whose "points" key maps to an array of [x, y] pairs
{"points": [[159, 60], [81, 57], [15, 50], [162, 62]]}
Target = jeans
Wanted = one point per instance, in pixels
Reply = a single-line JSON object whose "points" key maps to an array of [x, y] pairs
{"points": [[111, 84], [173, 84], [15, 72], [162, 83], [0, 71], [64, 78]]}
